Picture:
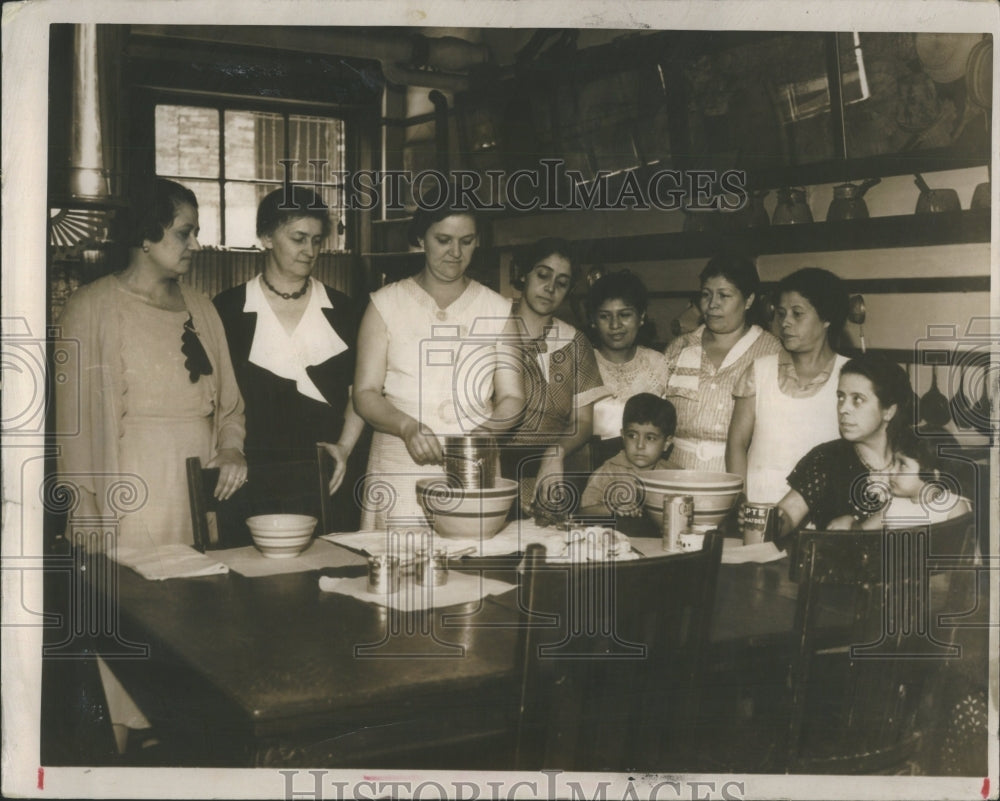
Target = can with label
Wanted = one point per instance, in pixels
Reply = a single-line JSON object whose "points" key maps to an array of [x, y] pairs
{"points": [[678, 517], [756, 522]]}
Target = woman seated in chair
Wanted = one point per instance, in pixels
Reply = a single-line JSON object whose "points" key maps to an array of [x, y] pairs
{"points": [[843, 480]]}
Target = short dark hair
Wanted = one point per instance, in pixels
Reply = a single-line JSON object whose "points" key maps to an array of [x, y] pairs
{"points": [[438, 202], [645, 408], [152, 207], [737, 270], [540, 250], [622, 284], [892, 388], [924, 451], [289, 203], [825, 291]]}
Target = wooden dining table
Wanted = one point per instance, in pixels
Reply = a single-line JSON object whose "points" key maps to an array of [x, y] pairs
{"points": [[273, 671]]}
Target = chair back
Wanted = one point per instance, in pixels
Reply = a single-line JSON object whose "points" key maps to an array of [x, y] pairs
{"points": [[867, 647], [257, 496], [610, 655]]}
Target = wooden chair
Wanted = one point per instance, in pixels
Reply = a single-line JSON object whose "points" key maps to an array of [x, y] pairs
{"points": [[610, 654], [867, 650], [256, 497]]}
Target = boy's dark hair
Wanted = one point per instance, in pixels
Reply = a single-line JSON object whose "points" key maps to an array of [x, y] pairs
{"points": [[646, 408], [924, 452]]}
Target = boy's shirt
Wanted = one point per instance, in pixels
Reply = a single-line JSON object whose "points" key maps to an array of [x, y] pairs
{"points": [[617, 468]]}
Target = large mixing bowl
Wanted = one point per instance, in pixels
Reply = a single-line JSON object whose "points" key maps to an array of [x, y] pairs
{"points": [[281, 536], [714, 493], [459, 513]]}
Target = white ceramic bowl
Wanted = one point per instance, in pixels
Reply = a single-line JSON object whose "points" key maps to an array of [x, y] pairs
{"points": [[714, 493], [281, 536], [459, 513]]}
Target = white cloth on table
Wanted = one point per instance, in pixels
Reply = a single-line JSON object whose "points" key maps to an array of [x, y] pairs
{"points": [[439, 370], [161, 562], [412, 597]]}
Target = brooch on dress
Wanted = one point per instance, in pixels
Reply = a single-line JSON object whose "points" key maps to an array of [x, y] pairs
{"points": [[196, 360]]}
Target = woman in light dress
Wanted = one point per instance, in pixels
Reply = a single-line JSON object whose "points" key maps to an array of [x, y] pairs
{"points": [[431, 363], [616, 305], [155, 386]]}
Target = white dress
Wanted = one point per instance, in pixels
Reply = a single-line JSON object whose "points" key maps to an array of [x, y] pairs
{"points": [[786, 428], [439, 370], [646, 371]]}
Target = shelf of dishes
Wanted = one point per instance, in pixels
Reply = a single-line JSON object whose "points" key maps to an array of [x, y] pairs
{"points": [[905, 230]]}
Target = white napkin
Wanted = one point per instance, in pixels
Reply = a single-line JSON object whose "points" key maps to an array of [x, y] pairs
{"points": [[167, 561], [411, 597], [734, 552], [249, 562]]}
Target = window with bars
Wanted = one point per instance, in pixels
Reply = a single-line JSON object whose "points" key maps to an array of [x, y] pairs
{"points": [[232, 158]]}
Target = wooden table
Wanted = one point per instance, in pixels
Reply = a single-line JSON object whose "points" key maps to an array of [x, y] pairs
{"points": [[272, 671]]}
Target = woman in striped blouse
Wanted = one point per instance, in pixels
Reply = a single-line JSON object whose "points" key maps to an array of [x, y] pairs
{"points": [[704, 365]]}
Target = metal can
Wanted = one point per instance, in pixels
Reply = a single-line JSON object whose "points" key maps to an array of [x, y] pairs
{"points": [[678, 517], [756, 522]]}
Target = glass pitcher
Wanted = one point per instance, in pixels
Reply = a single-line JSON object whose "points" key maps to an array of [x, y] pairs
{"points": [[792, 207]]}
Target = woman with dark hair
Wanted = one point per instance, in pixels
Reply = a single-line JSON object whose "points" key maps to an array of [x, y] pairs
{"points": [[841, 477], [293, 344], [154, 386], [616, 306], [428, 353], [560, 375], [785, 401], [704, 365]]}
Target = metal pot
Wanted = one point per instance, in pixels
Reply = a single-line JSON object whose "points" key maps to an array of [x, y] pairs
{"points": [[848, 201], [934, 201]]}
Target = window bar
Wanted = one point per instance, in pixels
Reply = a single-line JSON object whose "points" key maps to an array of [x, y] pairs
{"points": [[835, 81], [222, 177]]}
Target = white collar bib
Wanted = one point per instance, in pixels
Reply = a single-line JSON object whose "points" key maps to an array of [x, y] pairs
{"points": [[287, 355]]}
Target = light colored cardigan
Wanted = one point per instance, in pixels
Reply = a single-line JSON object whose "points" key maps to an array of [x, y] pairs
{"points": [[91, 402]]}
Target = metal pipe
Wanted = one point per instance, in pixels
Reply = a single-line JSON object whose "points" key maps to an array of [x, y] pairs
{"points": [[440, 128], [87, 178]]}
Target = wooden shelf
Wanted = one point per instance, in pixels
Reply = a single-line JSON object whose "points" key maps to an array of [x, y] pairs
{"points": [[910, 230]]}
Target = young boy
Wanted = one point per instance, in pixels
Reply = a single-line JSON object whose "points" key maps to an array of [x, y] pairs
{"points": [[648, 424]]}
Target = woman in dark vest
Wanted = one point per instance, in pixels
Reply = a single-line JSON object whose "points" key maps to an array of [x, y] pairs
{"points": [[292, 341]]}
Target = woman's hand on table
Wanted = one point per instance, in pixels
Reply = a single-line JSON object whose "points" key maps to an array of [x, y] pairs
{"points": [[232, 472], [339, 454], [842, 523], [421, 443]]}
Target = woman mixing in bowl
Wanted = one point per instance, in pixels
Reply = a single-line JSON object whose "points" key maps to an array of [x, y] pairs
{"points": [[704, 365], [786, 401], [561, 378], [292, 341], [429, 350], [616, 305]]}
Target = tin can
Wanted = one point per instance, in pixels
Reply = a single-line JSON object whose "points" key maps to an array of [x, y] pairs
{"points": [[678, 517], [383, 574], [432, 567], [757, 522]]}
